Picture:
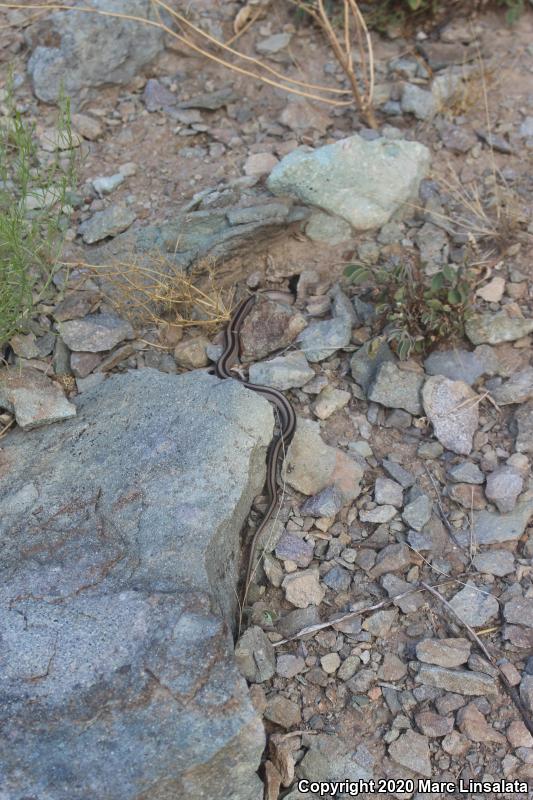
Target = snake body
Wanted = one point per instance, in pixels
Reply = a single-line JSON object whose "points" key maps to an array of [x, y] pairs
{"points": [[285, 412]]}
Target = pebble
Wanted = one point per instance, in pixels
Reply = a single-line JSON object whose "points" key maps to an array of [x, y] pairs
{"points": [[282, 711], [468, 495], [293, 548], [444, 652], [320, 340], [348, 668], [88, 127], [396, 388], [518, 389], [411, 750], [434, 725], [192, 353], [255, 656], [388, 492], [398, 473], [392, 668], [495, 528], [524, 423], [455, 744], [473, 724], [311, 464], [110, 222], [283, 372], [338, 579], [519, 611], [33, 398], [303, 588], [330, 400], [82, 364], [396, 586], [495, 562], [259, 164], [288, 665], [326, 503], [495, 328], [380, 623], [466, 472], [418, 512], [330, 663], [106, 185], [452, 409], [273, 44], [492, 292], [269, 326], [457, 365], [518, 735], [378, 515], [460, 681], [526, 691], [95, 333], [474, 606], [504, 485], [367, 359], [393, 558]]}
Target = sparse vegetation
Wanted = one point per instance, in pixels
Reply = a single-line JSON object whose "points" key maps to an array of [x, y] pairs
{"points": [[33, 201], [414, 311]]}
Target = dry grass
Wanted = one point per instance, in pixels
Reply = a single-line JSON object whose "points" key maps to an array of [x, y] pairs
{"points": [[223, 54], [163, 294]]}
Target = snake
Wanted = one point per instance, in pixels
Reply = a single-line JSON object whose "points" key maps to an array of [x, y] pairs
{"points": [[287, 421]]}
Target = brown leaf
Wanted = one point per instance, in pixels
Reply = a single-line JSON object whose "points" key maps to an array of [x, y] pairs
{"points": [[242, 18]]}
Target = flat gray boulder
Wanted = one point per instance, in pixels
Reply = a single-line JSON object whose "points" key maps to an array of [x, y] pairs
{"points": [[120, 540], [363, 182], [91, 49]]}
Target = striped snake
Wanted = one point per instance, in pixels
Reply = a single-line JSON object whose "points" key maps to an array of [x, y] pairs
{"points": [[284, 411]]}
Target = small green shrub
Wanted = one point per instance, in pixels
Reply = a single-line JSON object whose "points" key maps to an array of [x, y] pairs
{"points": [[33, 200], [416, 312]]}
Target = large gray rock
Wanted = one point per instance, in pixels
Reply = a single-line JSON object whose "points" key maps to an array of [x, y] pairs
{"points": [[90, 49], [494, 528], [120, 541], [363, 182]]}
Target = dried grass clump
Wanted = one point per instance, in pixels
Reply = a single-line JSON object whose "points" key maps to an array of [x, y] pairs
{"points": [[162, 293]]}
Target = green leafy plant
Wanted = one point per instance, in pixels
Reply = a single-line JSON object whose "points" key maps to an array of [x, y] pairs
{"points": [[415, 311], [34, 190]]}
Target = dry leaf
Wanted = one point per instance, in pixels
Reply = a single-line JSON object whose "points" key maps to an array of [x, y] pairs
{"points": [[243, 17]]}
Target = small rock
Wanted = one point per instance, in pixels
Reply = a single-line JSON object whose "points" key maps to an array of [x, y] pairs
{"points": [[192, 353], [495, 328], [411, 750], [293, 548], [273, 44], [380, 623], [418, 102], [392, 668], [475, 606], [495, 562], [453, 411], [88, 127], [404, 478], [287, 665], [33, 398], [526, 691], [296, 620], [326, 503], [466, 472], [303, 588], [518, 735], [269, 326], [82, 364], [284, 372], [457, 365], [110, 222], [95, 333], [495, 528], [320, 340], [519, 611], [492, 292], [504, 485], [456, 744], [330, 400], [157, 97], [524, 423], [366, 361], [468, 495], [338, 579], [282, 711], [473, 724], [258, 164], [311, 464], [396, 388], [460, 681], [388, 492], [348, 668], [106, 185], [255, 656], [394, 557], [444, 652], [211, 101], [378, 515], [418, 512], [518, 389], [396, 586], [433, 725], [330, 663]]}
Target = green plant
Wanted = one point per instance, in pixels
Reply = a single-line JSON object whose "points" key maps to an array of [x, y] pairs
{"points": [[414, 311], [33, 201]]}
